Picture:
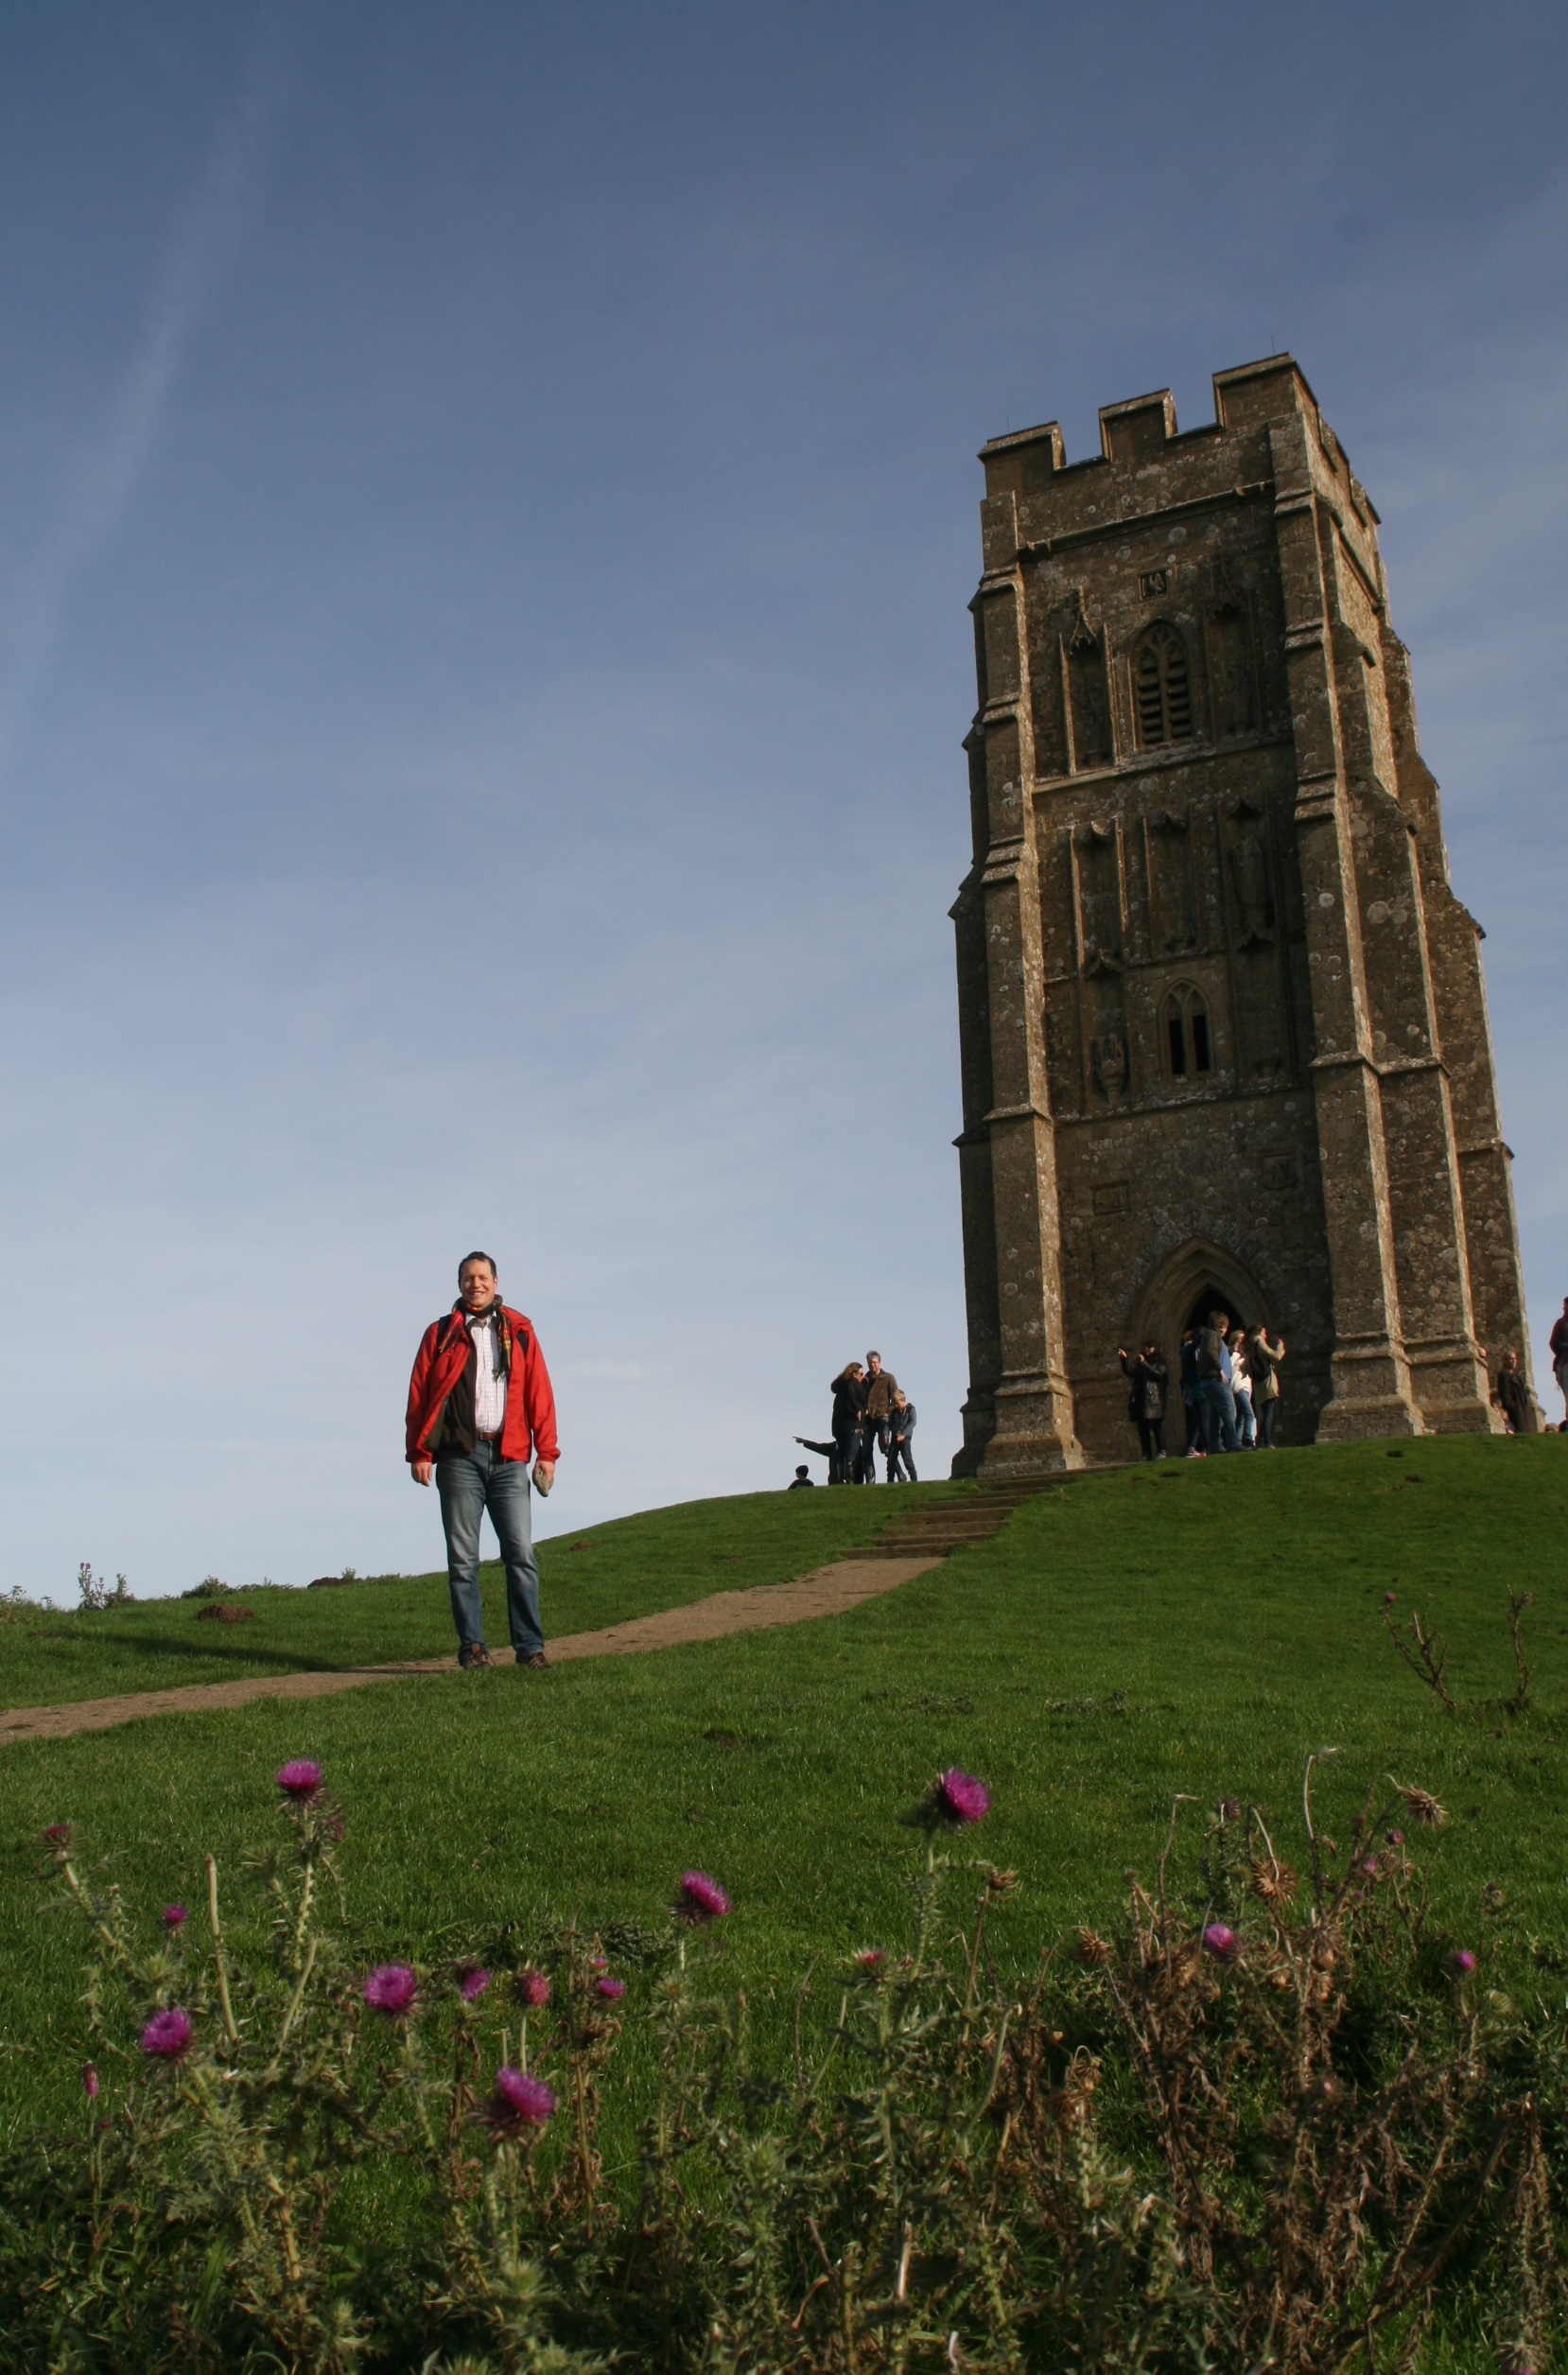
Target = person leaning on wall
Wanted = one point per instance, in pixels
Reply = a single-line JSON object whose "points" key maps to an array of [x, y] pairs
{"points": [[1262, 1368], [1146, 1377]]}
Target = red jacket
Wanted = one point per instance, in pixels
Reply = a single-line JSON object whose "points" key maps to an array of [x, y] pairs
{"points": [[444, 1349]]}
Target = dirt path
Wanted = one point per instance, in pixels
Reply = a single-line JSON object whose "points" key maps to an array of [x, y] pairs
{"points": [[825, 1592]]}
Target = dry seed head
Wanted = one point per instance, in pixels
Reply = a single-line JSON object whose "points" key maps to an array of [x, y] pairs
{"points": [[1090, 1949], [1276, 1883], [1422, 1806]]}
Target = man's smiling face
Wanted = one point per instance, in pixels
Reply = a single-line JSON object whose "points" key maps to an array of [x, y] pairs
{"points": [[476, 1285]]}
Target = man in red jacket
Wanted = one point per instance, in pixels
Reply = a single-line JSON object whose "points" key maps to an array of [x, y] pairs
{"points": [[480, 1407]]}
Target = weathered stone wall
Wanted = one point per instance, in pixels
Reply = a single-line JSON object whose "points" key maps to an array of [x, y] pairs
{"points": [[1221, 1019]]}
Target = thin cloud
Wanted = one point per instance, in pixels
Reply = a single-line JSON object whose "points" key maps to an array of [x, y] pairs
{"points": [[203, 243]]}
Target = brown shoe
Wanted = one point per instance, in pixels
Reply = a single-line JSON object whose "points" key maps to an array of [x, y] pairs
{"points": [[538, 1663], [475, 1654]]}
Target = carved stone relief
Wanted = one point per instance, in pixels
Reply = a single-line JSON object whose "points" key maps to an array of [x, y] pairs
{"points": [[1249, 879], [1173, 897], [1233, 667], [1088, 692], [1108, 1058], [1100, 927]]}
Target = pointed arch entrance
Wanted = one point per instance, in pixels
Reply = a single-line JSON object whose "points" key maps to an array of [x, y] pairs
{"points": [[1198, 1278]]}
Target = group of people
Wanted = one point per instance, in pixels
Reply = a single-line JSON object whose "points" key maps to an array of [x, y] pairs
{"points": [[871, 1414], [1228, 1380], [1229, 1388]]}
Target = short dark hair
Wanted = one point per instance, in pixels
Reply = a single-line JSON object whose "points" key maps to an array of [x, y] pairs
{"points": [[873, 1356], [488, 1259]]}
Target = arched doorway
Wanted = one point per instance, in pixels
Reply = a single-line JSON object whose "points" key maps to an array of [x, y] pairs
{"points": [[1198, 1278]]}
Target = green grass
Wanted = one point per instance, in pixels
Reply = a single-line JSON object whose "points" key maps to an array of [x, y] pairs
{"points": [[632, 1567], [1188, 1628]]}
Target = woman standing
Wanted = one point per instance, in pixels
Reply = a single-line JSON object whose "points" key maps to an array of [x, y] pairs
{"points": [[1247, 1424], [1262, 1365]]}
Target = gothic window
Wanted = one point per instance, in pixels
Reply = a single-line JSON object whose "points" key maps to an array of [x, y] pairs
{"points": [[1187, 1045], [1163, 689]]}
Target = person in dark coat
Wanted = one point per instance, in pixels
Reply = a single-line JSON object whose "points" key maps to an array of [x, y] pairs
{"points": [[1146, 1376], [900, 1427], [1192, 1407], [824, 1451], [1215, 1398], [802, 1480], [1557, 1345], [848, 1390], [1512, 1398], [880, 1386]]}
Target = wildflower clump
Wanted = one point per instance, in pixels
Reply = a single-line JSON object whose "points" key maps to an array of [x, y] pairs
{"points": [[962, 1798], [519, 2103], [168, 2035], [702, 1898], [1162, 2150], [391, 1988]]}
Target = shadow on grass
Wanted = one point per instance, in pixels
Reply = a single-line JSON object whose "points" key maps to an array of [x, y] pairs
{"points": [[261, 1662]]}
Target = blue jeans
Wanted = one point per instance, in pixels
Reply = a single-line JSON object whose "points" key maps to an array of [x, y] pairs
{"points": [[469, 1483], [1219, 1410], [1247, 1424]]}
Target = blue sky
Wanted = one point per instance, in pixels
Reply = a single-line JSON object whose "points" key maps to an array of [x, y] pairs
{"points": [[487, 507]]}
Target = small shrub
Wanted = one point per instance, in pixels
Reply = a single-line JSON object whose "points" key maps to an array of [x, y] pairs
{"points": [[93, 1591]]}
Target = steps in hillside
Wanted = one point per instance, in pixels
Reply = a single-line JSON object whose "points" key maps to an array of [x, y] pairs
{"points": [[932, 1531]]}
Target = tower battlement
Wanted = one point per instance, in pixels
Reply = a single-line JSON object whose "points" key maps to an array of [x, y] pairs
{"points": [[1026, 462], [1223, 1025]]}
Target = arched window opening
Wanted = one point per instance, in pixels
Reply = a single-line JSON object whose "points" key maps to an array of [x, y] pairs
{"points": [[1187, 1033], [1163, 688]]}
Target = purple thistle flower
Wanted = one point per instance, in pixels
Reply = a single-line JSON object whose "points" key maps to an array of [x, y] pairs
{"points": [[90, 2082], [300, 1778], [870, 1959], [168, 2034], [58, 1836], [391, 1988], [174, 1915], [519, 2102], [533, 1990], [702, 1898], [612, 1988], [1389, 1600], [1395, 1839], [962, 1798], [1461, 1963], [1221, 1941], [472, 1984]]}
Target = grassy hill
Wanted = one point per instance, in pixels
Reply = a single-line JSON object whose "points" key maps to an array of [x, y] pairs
{"points": [[1132, 1636], [632, 1567]]}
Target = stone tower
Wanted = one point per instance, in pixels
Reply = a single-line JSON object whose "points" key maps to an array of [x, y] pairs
{"points": [[1223, 1023]]}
